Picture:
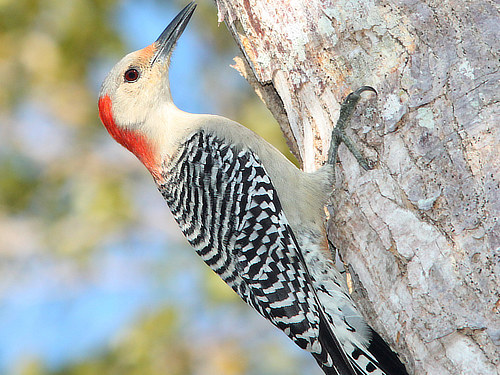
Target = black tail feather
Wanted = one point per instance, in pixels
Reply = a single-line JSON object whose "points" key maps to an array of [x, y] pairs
{"points": [[378, 350], [386, 358], [331, 346]]}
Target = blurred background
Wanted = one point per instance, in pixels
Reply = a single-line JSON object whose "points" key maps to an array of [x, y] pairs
{"points": [[95, 277]]}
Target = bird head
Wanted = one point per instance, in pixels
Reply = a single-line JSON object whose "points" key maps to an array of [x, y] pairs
{"points": [[137, 88]]}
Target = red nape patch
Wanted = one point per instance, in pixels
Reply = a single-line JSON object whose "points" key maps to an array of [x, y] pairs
{"points": [[134, 141]]}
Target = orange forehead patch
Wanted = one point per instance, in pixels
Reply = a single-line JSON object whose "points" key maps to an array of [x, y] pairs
{"points": [[145, 54], [132, 140]]}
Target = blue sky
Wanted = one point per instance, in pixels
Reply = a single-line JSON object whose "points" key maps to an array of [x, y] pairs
{"points": [[45, 317]]}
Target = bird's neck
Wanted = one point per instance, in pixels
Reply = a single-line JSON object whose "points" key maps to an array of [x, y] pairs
{"points": [[133, 140]]}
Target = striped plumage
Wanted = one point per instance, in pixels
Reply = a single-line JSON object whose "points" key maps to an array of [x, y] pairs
{"points": [[252, 216], [229, 211]]}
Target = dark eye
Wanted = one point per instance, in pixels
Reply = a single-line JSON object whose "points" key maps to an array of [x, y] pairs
{"points": [[131, 75]]}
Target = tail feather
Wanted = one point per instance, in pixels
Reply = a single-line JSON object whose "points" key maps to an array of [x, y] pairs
{"points": [[332, 359], [378, 357], [387, 360]]}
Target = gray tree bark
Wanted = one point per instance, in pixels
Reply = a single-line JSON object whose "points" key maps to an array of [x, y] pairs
{"points": [[419, 233]]}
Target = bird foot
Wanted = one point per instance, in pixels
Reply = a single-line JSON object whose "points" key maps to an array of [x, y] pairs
{"points": [[338, 133]]}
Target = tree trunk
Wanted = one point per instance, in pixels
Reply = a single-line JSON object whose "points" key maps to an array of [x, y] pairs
{"points": [[419, 232]]}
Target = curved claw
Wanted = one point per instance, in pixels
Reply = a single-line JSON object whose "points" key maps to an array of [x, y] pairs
{"points": [[353, 98], [338, 133], [365, 88]]}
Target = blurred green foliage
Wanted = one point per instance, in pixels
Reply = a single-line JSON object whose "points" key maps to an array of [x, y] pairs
{"points": [[19, 182], [64, 190]]}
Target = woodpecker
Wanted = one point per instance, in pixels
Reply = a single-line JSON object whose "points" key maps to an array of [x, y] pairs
{"points": [[253, 217]]}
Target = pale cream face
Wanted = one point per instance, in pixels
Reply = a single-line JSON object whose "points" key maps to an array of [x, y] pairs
{"points": [[137, 110], [133, 100]]}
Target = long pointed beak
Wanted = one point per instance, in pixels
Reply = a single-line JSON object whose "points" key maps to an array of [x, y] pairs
{"points": [[172, 32]]}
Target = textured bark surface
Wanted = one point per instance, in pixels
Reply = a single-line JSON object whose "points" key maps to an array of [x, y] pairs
{"points": [[420, 232]]}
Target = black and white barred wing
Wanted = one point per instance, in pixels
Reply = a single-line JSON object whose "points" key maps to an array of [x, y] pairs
{"points": [[229, 211]]}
